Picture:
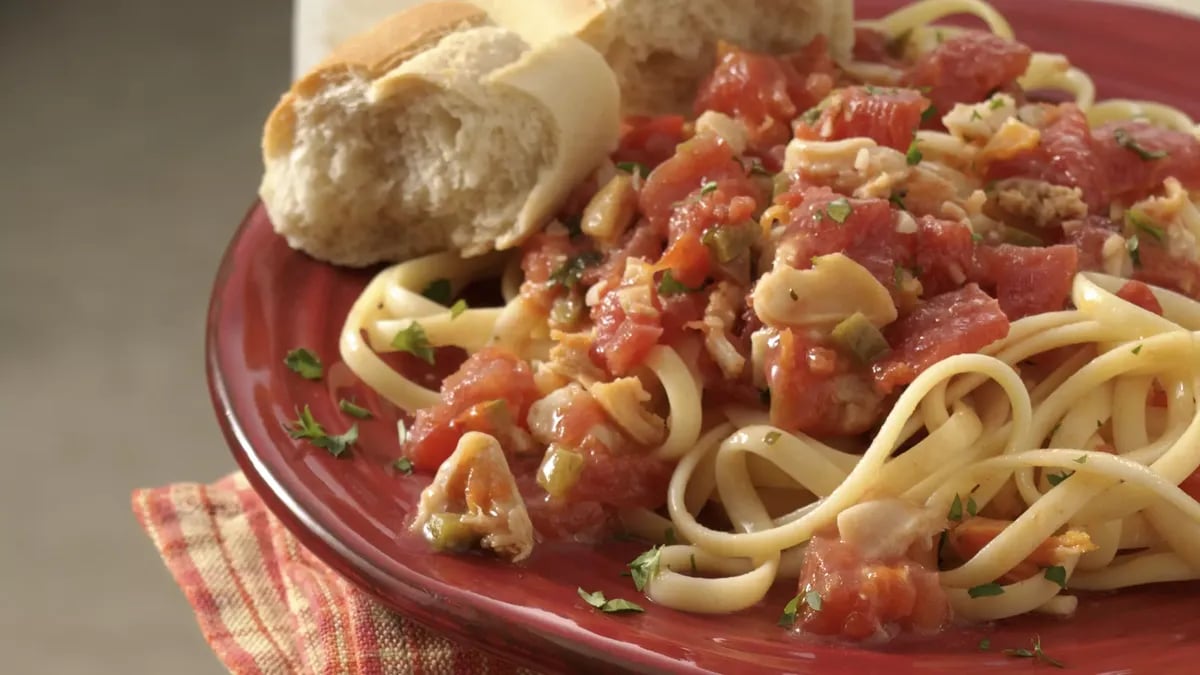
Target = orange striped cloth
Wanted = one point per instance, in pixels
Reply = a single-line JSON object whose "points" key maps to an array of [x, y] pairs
{"points": [[268, 606]]}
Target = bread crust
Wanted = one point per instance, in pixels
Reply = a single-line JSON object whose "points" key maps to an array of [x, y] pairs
{"points": [[373, 53]]}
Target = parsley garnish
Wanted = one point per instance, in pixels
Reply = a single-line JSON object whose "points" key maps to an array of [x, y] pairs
{"points": [[1142, 223], [614, 606], [457, 309], [1036, 653], [304, 363], [708, 187], [1137, 350], [1132, 246], [668, 285], [929, 113], [809, 597], [635, 168], [956, 509], [309, 429], [985, 644], [353, 410], [404, 465], [975, 116], [414, 341], [1057, 574], [914, 154], [1082, 459], [572, 270], [811, 115], [839, 210], [897, 199], [645, 567], [995, 103], [985, 590], [1055, 478], [1130, 143], [771, 437], [438, 291], [976, 237]]}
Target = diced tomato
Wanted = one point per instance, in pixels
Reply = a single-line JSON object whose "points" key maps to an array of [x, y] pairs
{"points": [[816, 391], [767, 92], [1127, 149], [489, 375], [541, 257], [701, 160], [945, 251], [649, 140], [1140, 294], [1027, 280], [972, 534], [862, 599], [1156, 266], [867, 233], [622, 342], [960, 322], [1088, 237], [1066, 154], [968, 68], [888, 116]]}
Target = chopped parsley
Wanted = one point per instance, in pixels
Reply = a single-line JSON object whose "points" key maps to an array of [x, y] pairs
{"points": [[438, 291], [957, 507], [1057, 574], [635, 168], [708, 187], [809, 597], [1130, 143], [1133, 247], [975, 116], [930, 113], [839, 210], [985, 644], [1082, 459], [914, 154], [614, 606], [1036, 653], [811, 115], [404, 465], [771, 437], [668, 285], [757, 169], [1137, 350], [897, 199], [645, 567], [307, 428], [976, 237], [457, 309], [304, 363], [354, 410], [414, 341], [1142, 223], [571, 271], [1055, 478], [995, 103], [985, 590]]}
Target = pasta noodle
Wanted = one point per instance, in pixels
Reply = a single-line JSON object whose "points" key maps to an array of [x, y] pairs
{"points": [[1073, 451]]}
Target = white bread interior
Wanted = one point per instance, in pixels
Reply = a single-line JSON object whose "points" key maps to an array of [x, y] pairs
{"points": [[662, 49], [434, 131]]}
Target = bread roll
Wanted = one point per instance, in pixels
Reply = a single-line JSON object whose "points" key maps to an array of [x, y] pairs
{"points": [[434, 131], [662, 49]]}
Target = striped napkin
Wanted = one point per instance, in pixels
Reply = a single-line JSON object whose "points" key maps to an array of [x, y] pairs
{"points": [[269, 607]]}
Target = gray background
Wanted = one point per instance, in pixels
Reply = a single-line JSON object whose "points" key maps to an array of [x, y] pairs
{"points": [[128, 153]]}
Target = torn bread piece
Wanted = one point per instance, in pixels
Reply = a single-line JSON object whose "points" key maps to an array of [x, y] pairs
{"points": [[432, 131]]}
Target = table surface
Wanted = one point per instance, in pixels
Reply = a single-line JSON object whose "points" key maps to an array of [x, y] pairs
{"points": [[112, 220]]}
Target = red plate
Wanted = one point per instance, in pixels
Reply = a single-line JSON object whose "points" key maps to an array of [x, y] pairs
{"points": [[351, 512]]}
